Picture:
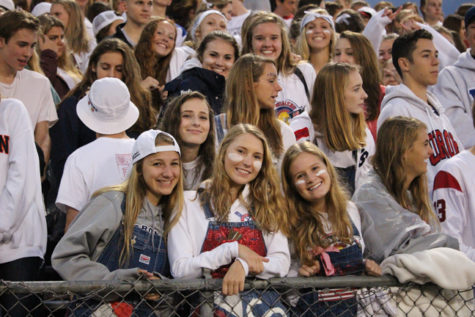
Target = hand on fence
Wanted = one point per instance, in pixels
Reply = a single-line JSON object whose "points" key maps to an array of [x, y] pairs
{"points": [[306, 270], [150, 276], [233, 281], [372, 268], [253, 260]]}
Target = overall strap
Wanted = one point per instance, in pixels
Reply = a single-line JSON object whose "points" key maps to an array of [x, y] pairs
{"points": [[207, 210], [299, 74], [220, 122]]}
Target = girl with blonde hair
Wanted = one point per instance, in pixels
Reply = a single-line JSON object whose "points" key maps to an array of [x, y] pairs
{"points": [[337, 124], [235, 225], [121, 233], [325, 228], [265, 34], [394, 200], [251, 90], [55, 59], [80, 43], [317, 38]]}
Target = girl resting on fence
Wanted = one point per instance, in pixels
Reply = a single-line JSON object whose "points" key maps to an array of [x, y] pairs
{"points": [[325, 230], [235, 225], [120, 234]]}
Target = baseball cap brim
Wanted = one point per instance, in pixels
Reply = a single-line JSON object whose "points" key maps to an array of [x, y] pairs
{"points": [[86, 114]]}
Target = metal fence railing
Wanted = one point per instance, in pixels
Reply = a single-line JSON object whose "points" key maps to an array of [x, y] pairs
{"points": [[316, 296]]}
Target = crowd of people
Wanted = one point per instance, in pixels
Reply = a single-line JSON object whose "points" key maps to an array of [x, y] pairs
{"points": [[254, 139]]}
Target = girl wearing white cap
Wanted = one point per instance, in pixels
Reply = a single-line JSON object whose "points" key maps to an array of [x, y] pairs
{"points": [[316, 41], [235, 225], [266, 35], [121, 232], [189, 118]]}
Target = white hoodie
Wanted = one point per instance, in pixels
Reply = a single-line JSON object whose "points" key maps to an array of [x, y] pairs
{"points": [[401, 101], [22, 211], [453, 90]]}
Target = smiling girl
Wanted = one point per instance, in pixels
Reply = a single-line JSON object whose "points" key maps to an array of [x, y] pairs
{"points": [[266, 35], [154, 53], [207, 73], [325, 229], [251, 91], [316, 42], [189, 118], [121, 233], [235, 224], [337, 124]]}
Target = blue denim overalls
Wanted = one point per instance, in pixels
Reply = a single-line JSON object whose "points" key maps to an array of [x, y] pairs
{"points": [[334, 302], [246, 233], [149, 252]]}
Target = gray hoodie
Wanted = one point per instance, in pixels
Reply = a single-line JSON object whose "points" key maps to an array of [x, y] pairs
{"points": [[453, 90], [401, 101], [75, 256]]}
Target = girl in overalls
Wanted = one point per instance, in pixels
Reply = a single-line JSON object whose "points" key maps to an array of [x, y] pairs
{"points": [[120, 233], [325, 230], [235, 226]]}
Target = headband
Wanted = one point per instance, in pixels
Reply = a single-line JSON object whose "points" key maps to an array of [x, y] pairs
{"points": [[310, 16], [201, 18]]}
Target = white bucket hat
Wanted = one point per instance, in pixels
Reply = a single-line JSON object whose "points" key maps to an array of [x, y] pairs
{"points": [[145, 145], [103, 19], [41, 8], [107, 108], [7, 4]]}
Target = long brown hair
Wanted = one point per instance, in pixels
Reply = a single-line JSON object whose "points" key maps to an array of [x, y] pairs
{"points": [[130, 76], [366, 58], [306, 223], [340, 129], [395, 137], [266, 203], [150, 63], [171, 123], [135, 190], [75, 32], [284, 62], [241, 102]]}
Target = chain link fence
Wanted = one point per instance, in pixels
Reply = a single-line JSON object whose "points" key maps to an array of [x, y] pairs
{"points": [[316, 296]]}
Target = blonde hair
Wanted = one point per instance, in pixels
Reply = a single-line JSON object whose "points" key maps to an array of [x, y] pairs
{"points": [[340, 129], [75, 32], [303, 49], [306, 223], [395, 137], [284, 62], [241, 102], [266, 204], [135, 190]]}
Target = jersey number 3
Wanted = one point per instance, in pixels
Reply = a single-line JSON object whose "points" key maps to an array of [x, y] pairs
{"points": [[439, 207]]}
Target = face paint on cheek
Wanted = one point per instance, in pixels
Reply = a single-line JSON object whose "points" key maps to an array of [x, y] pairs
{"points": [[320, 172], [299, 182], [309, 32], [235, 157], [327, 31], [257, 165]]}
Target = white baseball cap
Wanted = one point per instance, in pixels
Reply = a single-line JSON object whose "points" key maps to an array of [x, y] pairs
{"points": [[107, 108], [41, 8], [103, 19], [145, 145], [7, 4]]}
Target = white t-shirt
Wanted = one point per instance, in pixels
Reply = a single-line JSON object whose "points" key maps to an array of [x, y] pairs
{"points": [[192, 172], [22, 212], [103, 162], [235, 24], [34, 90], [454, 200]]}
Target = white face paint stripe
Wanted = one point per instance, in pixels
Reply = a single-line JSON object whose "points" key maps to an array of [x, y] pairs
{"points": [[320, 172], [300, 182], [235, 157], [257, 165]]}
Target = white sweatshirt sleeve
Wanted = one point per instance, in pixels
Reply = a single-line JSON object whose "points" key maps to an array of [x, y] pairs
{"points": [[376, 29], [21, 190], [448, 54], [278, 254], [185, 240]]}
